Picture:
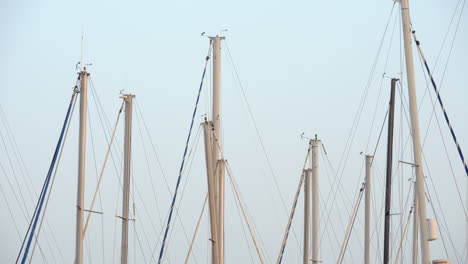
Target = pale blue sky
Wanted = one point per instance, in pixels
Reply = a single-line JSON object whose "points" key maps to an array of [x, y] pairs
{"points": [[304, 66]]}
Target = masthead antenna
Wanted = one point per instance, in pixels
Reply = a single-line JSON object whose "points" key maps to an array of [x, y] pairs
{"points": [[82, 36]]}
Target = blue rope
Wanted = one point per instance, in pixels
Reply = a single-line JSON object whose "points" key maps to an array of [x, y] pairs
{"points": [[37, 212], [161, 252], [460, 153]]}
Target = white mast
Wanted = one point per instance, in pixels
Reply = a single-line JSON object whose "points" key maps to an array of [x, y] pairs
{"points": [[81, 167], [315, 202], [216, 145], [367, 209], [214, 164], [128, 99], [306, 258], [421, 199], [311, 189]]}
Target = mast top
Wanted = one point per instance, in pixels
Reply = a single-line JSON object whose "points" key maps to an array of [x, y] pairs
{"points": [[217, 37], [127, 96]]}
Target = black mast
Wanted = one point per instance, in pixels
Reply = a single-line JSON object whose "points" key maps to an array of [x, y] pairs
{"points": [[388, 187]]}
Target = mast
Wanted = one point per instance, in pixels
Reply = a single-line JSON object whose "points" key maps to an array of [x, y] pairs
{"points": [[311, 189], [219, 188], [307, 173], [81, 166], [214, 164], [367, 210], [388, 184], [421, 199], [128, 99], [315, 202]]}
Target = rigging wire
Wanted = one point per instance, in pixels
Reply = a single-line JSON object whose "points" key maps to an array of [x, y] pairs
{"points": [[381, 83], [196, 230], [8, 206], [153, 147], [329, 171], [164, 176], [97, 179], [240, 199], [357, 118], [102, 169], [403, 235], [447, 33], [328, 211], [351, 224], [425, 66], [53, 181], [105, 124], [243, 230], [453, 177], [149, 169], [353, 216], [16, 153], [25, 214], [151, 181], [37, 211], [26, 178], [23, 206], [177, 207], [259, 136], [443, 75], [132, 215], [186, 171], [138, 239], [429, 198], [161, 252], [439, 99], [293, 209], [400, 227], [404, 109], [252, 234]]}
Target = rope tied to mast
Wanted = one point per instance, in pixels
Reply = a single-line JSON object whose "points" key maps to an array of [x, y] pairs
{"points": [[161, 252], [37, 211], [439, 99]]}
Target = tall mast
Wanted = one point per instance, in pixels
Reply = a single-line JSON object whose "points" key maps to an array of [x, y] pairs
{"points": [[421, 199], [388, 184], [214, 164], [315, 202], [307, 184], [128, 99], [81, 167], [367, 210]]}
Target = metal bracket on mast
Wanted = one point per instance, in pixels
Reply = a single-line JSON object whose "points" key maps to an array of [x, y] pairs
{"points": [[123, 218], [409, 163], [91, 211]]}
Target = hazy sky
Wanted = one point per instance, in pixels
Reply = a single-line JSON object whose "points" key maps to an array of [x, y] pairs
{"points": [[304, 66]]}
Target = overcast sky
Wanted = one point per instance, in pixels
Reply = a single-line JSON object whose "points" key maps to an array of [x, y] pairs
{"points": [[304, 67]]}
